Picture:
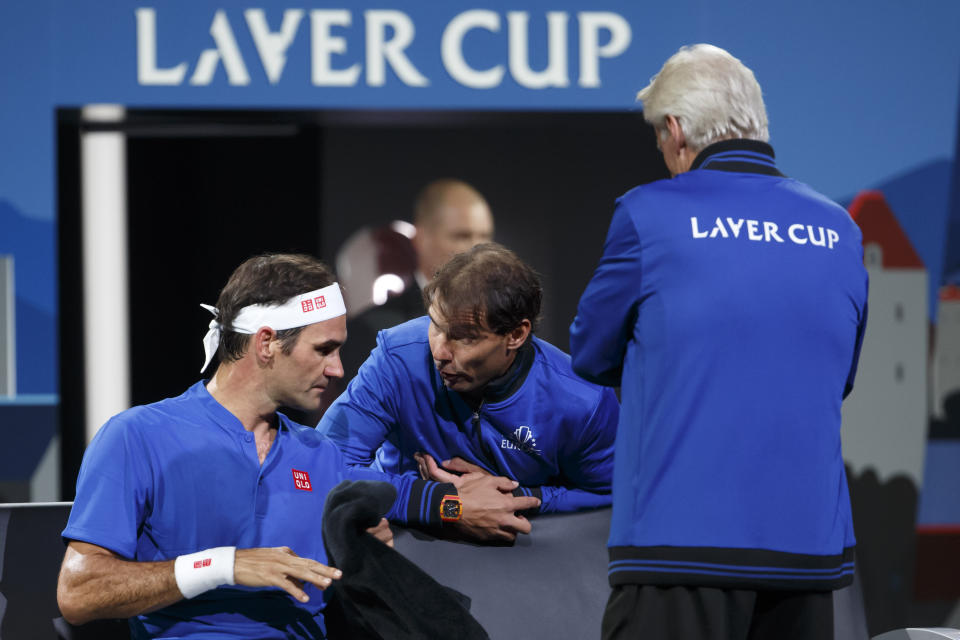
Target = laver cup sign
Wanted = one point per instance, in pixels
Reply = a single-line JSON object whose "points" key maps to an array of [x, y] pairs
{"points": [[383, 40]]}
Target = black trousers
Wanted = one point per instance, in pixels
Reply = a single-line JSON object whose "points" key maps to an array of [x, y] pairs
{"points": [[646, 612]]}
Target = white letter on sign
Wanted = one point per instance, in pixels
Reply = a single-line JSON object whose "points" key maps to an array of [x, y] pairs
{"points": [[322, 44], [451, 49], [590, 50], [555, 75], [227, 50], [271, 46], [380, 50], [147, 71], [693, 228]]}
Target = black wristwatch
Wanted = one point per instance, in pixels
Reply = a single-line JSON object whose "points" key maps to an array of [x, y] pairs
{"points": [[451, 508]]}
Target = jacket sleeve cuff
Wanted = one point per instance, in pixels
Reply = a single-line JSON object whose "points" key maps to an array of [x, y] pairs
{"points": [[535, 492], [425, 497]]}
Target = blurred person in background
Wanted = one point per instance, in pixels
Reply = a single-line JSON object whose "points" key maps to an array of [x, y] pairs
{"points": [[449, 217]]}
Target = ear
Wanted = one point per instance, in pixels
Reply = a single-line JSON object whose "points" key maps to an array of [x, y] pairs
{"points": [[518, 335], [265, 344], [675, 129]]}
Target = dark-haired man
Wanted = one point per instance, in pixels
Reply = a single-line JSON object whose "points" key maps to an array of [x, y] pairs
{"points": [[181, 499], [469, 396]]}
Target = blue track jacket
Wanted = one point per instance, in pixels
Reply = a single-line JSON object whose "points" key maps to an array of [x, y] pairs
{"points": [[554, 434], [730, 304]]}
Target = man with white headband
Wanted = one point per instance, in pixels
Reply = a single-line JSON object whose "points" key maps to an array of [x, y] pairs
{"points": [[470, 396], [179, 500]]}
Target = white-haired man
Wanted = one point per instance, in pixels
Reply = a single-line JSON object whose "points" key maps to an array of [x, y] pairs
{"points": [[181, 499], [730, 305]]}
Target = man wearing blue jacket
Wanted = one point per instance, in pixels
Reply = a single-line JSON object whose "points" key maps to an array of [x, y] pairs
{"points": [[730, 305], [469, 396]]}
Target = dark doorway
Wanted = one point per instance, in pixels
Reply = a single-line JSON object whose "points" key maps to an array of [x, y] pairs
{"points": [[198, 206]]}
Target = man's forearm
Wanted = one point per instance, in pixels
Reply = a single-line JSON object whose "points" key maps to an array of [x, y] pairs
{"points": [[96, 585]]}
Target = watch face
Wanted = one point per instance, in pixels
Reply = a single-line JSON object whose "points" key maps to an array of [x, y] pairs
{"points": [[450, 509]]}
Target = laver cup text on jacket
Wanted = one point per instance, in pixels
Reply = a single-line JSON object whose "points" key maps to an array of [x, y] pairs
{"points": [[765, 231]]}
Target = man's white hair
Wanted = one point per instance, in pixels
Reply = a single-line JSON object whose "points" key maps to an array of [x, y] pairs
{"points": [[713, 95]]}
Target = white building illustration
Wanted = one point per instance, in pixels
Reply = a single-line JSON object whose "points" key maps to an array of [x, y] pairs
{"points": [[885, 418]]}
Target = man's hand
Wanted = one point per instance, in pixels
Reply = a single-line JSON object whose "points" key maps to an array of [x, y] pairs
{"points": [[489, 508], [382, 532], [430, 470], [460, 465], [281, 567]]}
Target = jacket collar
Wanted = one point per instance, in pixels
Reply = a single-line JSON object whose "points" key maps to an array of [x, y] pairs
{"points": [[504, 386], [738, 155]]}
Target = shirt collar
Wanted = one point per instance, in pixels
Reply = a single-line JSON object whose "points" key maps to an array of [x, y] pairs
{"points": [[223, 416], [738, 155]]}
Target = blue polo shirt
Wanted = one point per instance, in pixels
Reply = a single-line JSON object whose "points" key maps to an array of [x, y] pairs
{"points": [[182, 475]]}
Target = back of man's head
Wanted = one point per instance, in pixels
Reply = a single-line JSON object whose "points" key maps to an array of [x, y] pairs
{"points": [[712, 94], [451, 216], [432, 197], [269, 279], [490, 286]]}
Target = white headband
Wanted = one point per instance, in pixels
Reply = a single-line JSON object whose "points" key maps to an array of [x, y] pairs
{"points": [[298, 311]]}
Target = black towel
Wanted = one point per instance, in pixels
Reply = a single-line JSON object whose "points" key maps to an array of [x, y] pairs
{"points": [[382, 595]]}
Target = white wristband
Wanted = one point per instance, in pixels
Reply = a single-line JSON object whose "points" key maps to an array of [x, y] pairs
{"points": [[204, 570]]}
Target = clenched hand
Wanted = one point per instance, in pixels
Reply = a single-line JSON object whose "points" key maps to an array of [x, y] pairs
{"points": [[489, 508]]}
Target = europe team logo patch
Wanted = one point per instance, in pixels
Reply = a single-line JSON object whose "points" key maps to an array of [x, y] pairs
{"points": [[523, 439], [301, 480]]}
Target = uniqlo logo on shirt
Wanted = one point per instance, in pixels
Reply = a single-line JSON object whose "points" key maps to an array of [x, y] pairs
{"points": [[199, 564], [321, 303], [307, 305], [301, 480]]}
